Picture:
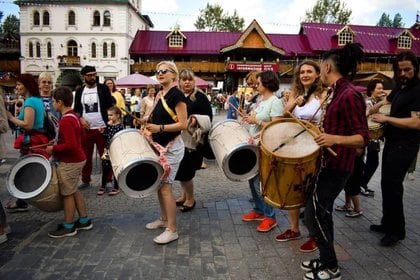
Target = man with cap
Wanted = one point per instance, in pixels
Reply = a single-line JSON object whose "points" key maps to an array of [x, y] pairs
{"points": [[91, 102]]}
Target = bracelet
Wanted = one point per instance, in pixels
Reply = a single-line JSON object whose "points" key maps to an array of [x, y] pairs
{"points": [[161, 128]]}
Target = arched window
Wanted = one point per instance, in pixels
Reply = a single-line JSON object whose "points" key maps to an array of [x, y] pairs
{"points": [[93, 50], [72, 18], [105, 50], [112, 49], [38, 49], [107, 18], [49, 49], [46, 18], [36, 18], [31, 49], [71, 48], [96, 18]]}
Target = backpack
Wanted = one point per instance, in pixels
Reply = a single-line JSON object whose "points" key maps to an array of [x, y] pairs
{"points": [[50, 125]]}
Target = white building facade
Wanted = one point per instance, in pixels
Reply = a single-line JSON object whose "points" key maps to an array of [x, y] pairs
{"points": [[62, 36]]}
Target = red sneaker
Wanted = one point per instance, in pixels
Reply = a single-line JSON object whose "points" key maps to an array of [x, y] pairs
{"points": [[267, 224], [288, 235], [252, 216], [309, 246]]}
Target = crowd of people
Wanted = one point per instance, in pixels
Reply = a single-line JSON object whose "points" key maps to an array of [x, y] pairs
{"points": [[176, 119]]}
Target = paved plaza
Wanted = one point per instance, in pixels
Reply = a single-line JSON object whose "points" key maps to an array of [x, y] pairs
{"points": [[214, 243]]}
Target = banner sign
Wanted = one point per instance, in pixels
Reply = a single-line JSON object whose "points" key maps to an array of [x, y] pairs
{"points": [[246, 67]]}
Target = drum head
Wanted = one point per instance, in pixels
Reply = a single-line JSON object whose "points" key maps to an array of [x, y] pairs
{"points": [[29, 176], [140, 178], [373, 125], [385, 109], [284, 133]]}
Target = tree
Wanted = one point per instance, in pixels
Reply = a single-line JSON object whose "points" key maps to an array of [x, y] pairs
{"points": [[386, 21], [328, 11], [10, 27], [212, 18]]}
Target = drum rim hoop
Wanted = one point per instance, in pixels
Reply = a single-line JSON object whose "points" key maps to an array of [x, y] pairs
{"points": [[20, 163]]}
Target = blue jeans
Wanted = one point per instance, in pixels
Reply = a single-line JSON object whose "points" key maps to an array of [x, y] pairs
{"points": [[318, 212], [260, 206]]}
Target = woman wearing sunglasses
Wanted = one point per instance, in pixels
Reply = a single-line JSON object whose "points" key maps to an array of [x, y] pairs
{"points": [[167, 120]]}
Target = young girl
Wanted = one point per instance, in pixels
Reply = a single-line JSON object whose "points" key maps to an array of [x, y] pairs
{"points": [[114, 125]]}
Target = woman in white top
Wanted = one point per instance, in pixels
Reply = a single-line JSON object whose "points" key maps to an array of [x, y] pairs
{"points": [[304, 102]]}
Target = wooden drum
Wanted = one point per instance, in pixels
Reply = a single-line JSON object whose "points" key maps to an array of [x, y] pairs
{"points": [[288, 172]]}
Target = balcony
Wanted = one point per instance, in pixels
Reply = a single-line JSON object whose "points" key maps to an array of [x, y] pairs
{"points": [[69, 62]]}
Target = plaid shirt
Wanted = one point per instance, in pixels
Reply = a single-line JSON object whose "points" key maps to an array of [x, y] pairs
{"points": [[345, 115]]}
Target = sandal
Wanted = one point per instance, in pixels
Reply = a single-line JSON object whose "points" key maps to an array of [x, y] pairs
{"points": [[343, 208], [186, 208], [354, 214], [13, 207]]}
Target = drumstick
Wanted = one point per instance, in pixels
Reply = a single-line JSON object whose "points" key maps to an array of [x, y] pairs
{"points": [[40, 145], [310, 132], [133, 115], [234, 108]]}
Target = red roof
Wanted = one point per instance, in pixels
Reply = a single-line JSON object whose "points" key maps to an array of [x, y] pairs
{"points": [[374, 39], [312, 39]]}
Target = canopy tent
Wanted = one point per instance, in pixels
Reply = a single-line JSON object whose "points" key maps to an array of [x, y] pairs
{"points": [[135, 80], [200, 83]]}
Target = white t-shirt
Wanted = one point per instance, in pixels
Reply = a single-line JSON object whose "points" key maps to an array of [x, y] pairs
{"points": [[91, 108], [306, 111]]}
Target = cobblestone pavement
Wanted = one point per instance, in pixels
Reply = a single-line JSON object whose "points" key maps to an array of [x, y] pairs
{"points": [[214, 243]]}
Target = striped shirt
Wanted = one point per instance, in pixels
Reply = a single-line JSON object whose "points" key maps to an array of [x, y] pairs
{"points": [[345, 115]]}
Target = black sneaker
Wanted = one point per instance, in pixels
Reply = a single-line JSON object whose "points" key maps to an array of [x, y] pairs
{"points": [[312, 265], [61, 232], [85, 226], [84, 186], [390, 240], [324, 274]]}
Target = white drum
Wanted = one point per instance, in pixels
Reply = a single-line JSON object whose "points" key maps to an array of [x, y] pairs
{"points": [[385, 109], [34, 180], [135, 164], [237, 158]]}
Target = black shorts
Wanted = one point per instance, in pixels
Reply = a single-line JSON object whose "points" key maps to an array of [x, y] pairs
{"points": [[190, 163]]}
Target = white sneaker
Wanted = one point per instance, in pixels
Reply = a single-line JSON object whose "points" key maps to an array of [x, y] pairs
{"points": [[410, 176], [3, 238], [159, 223], [166, 237]]}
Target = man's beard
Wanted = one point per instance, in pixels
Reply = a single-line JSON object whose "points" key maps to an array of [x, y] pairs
{"points": [[90, 82], [403, 81]]}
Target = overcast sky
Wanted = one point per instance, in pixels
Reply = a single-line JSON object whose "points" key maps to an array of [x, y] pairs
{"points": [[274, 16]]}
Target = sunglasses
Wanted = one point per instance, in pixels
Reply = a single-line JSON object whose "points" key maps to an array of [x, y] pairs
{"points": [[163, 71]]}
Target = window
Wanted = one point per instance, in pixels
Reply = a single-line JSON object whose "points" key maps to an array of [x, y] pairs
{"points": [[112, 49], [46, 18], [107, 18], [72, 18], [96, 18], [345, 36], [71, 48], [31, 49], [176, 40], [49, 49], [105, 50], [38, 49], [36, 18], [93, 50], [404, 41]]}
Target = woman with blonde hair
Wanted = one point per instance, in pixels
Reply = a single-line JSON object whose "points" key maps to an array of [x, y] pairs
{"points": [[147, 102], [167, 120]]}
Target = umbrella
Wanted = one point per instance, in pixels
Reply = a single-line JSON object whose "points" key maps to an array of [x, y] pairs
{"points": [[135, 80], [200, 83]]}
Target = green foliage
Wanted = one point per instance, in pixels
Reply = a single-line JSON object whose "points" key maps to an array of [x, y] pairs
{"points": [[328, 11], [386, 21], [10, 27], [212, 18]]}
